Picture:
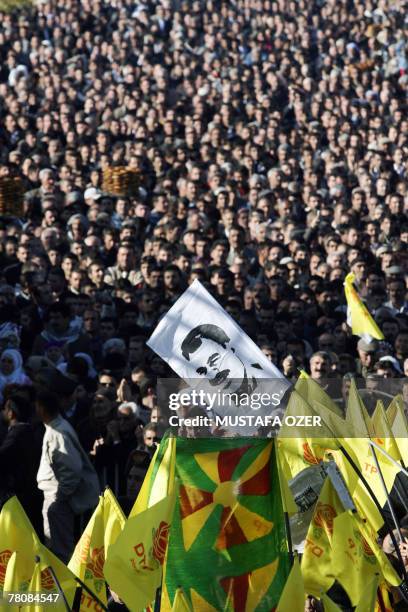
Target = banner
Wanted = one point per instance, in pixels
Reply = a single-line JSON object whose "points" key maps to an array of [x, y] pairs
{"points": [[205, 346]]}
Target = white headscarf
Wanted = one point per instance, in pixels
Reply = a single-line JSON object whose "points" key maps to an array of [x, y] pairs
{"points": [[17, 376]]}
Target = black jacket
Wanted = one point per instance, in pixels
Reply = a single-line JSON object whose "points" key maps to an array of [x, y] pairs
{"points": [[20, 454]]}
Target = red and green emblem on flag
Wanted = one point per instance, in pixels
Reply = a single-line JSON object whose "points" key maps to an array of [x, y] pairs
{"points": [[227, 540]]}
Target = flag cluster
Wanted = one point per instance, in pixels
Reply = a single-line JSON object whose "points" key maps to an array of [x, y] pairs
{"points": [[211, 528]]}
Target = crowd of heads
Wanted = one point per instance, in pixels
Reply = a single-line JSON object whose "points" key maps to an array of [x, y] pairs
{"points": [[270, 140]]}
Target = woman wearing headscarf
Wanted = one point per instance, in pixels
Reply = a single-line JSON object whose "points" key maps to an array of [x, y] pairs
{"points": [[11, 370]]}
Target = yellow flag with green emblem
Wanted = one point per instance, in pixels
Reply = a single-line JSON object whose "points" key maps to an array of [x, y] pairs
{"points": [[89, 556], [354, 563], [358, 316], [17, 577]]}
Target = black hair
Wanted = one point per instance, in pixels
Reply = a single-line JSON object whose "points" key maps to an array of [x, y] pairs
{"points": [[192, 341], [49, 402]]}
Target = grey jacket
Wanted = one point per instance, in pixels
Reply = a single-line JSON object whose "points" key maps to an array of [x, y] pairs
{"points": [[65, 471]]}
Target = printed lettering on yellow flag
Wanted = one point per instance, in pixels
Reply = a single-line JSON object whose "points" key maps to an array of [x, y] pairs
{"points": [[317, 558]]}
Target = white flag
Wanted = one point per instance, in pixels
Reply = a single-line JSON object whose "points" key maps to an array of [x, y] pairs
{"points": [[200, 340]]}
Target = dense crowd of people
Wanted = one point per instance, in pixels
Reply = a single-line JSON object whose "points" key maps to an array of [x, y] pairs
{"points": [[270, 140]]}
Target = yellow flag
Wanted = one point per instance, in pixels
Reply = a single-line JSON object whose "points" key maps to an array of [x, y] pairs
{"points": [[399, 426], [180, 603], [16, 580], [369, 596], [317, 557], [134, 563], [18, 535], [37, 581], [159, 478], [293, 594], [359, 318], [329, 605], [312, 392], [89, 556], [385, 567], [383, 432], [355, 486], [299, 446], [354, 563], [360, 449], [357, 415], [17, 577], [288, 503]]}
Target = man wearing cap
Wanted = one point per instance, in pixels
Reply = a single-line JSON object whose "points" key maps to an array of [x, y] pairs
{"points": [[92, 195], [366, 356]]}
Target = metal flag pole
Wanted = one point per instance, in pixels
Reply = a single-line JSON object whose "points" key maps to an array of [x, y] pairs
{"points": [[91, 593], [384, 486], [393, 461], [58, 585]]}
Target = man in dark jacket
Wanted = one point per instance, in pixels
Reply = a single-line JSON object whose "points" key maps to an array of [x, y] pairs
{"points": [[20, 455]]}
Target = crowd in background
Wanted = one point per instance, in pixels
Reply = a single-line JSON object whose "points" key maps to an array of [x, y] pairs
{"points": [[270, 140]]}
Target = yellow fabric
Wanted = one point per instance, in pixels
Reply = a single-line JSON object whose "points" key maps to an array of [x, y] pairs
{"points": [[154, 490], [357, 416], [134, 564], [288, 503], [383, 603], [317, 557], [18, 535], [89, 556], [385, 567], [368, 597], [133, 568], [180, 603], [293, 594], [312, 392], [362, 323], [298, 446], [354, 563], [16, 579], [329, 605], [356, 488], [399, 426], [360, 449], [383, 432]]}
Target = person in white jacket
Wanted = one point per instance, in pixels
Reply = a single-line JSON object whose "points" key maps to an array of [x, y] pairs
{"points": [[65, 476]]}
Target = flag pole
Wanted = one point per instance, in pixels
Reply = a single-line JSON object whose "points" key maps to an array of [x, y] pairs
{"points": [[390, 506], [391, 459], [400, 467], [91, 593], [58, 585], [157, 599]]}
